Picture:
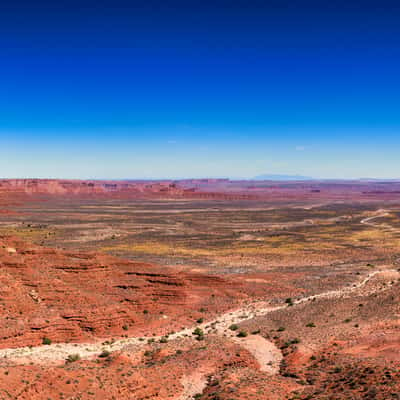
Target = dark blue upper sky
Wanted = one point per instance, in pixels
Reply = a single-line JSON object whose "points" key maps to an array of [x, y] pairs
{"points": [[115, 89]]}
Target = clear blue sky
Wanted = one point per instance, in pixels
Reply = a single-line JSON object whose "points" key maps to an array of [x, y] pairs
{"points": [[154, 89]]}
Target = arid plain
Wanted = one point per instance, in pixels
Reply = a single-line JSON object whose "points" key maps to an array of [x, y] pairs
{"points": [[199, 289]]}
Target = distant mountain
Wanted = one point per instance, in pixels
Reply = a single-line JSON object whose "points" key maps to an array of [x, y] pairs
{"points": [[380, 180], [272, 177]]}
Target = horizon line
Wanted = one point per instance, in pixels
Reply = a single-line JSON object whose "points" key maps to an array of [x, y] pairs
{"points": [[231, 179]]}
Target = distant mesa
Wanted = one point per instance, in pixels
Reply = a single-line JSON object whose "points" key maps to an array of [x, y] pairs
{"points": [[272, 177]]}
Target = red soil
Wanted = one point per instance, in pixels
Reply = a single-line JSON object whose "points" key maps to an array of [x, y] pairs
{"points": [[69, 296], [75, 296], [156, 374]]}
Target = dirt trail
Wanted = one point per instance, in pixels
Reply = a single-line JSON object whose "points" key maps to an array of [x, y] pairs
{"points": [[268, 359], [193, 384], [264, 351], [379, 214]]}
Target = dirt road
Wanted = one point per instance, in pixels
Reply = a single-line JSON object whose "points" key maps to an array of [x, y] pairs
{"points": [[268, 359]]}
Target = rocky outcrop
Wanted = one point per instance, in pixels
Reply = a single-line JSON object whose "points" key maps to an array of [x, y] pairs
{"points": [[67, 296]]}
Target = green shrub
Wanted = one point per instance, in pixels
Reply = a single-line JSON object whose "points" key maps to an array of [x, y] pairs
{"points": [[281, 329], [46, 341], [104, 354], [242, 334], [198, 332], [233, 327], [73, 357], [289, 301]]}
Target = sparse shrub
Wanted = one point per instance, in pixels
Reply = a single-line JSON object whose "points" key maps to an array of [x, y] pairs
{"points": [[242, 334], [200, 320], [164, 339], [104, 354], [125, 327], [199, 334], [290, 342], [145, 311], [289, 301], [281, 329], [73, 357], [290, 375], [256, 332], [46, 341], [310, 325], [233, 327]]}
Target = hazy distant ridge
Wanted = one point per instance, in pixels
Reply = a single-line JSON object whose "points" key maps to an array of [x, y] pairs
{"points": [[272, 177]]}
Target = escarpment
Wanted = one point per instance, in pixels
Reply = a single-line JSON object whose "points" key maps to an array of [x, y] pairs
{"points": [[74, 296]]}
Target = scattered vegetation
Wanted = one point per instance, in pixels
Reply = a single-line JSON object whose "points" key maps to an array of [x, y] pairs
{"points": [[73, 357], [281, 329], [46, 341], [198, 333], [104, 354], [289, 301], [233, 327]]}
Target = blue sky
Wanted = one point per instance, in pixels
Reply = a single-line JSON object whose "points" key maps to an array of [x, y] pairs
{"points": [[191, 89]]}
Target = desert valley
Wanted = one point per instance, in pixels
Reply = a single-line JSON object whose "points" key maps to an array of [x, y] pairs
{"points": [[199, 289]]}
